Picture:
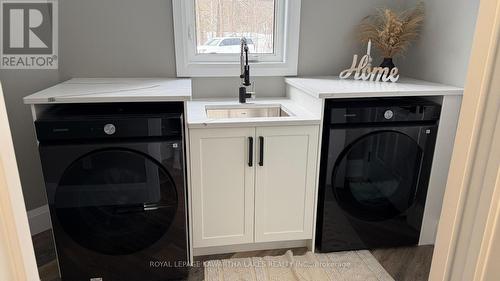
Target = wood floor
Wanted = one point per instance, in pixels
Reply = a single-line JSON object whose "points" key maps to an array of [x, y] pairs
{"points": [[403, 264]]}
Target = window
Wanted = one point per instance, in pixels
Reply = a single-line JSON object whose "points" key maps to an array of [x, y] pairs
{"points": [[227, 21], [208, 35]]}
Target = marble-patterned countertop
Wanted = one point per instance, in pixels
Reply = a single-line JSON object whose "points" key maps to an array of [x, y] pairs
{"points": [[99, 90], [328, 87]]}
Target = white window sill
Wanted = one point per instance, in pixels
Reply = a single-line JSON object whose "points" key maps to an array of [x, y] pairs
{"points": [[233, 69]]}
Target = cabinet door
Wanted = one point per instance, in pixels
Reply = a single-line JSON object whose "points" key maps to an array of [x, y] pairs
{"points": [[285, 182], [222, 184]]}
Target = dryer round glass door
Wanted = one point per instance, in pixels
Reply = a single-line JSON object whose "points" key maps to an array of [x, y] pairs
{"points": [[375, 177], [116, 201]]}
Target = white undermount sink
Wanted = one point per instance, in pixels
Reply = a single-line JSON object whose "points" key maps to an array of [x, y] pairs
{"points": [[246, 111]]}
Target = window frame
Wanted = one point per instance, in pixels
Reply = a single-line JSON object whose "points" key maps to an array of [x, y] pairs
{"points": [[283, 62]]}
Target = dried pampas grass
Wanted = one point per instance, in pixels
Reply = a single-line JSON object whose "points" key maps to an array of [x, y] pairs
{"points": [[392, 32]]}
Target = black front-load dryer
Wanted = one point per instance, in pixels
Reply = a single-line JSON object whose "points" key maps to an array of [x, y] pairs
{"points": [[375, 166], [114, 176]]}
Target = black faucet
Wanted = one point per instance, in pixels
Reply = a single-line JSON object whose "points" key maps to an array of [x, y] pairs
{"points": [[245, 73]]}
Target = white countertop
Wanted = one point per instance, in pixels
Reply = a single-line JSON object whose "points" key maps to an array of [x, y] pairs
{"points": [[334, 87], [197, 116], [101, 90], [94, 90]]}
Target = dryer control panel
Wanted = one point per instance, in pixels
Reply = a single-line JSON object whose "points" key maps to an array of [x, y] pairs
{"points": [[381, 110]]}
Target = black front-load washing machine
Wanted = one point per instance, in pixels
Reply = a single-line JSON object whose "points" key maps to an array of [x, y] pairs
{"points": [[375, 167], [114, 175]]}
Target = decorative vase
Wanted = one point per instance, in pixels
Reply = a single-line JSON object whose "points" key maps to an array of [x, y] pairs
{"points": [[387, 62]]}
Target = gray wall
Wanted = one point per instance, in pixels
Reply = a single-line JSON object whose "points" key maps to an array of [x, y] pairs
{"points": [[16, 84], [443, 51], [130, 38], [125, 38]]}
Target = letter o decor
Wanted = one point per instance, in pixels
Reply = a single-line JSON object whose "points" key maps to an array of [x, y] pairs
{"points": [[364, 71]]}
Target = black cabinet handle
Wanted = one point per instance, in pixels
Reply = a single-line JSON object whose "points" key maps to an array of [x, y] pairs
{"points": [[250, 151], [261, 151]]}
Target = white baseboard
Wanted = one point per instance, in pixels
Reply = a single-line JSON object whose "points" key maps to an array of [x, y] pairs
{"points": [[39, 219], [249, 247]]}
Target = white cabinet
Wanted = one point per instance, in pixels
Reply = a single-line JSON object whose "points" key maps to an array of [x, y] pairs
{"points": [[222, 185], [252, 184], [285, 183]]}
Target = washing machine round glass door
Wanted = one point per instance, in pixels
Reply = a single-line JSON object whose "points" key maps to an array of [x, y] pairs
{"points": [[375, 177], [116, 201]]}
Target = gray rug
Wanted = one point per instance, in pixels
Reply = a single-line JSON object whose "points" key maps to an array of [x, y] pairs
{"points": [[340, 266]]}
